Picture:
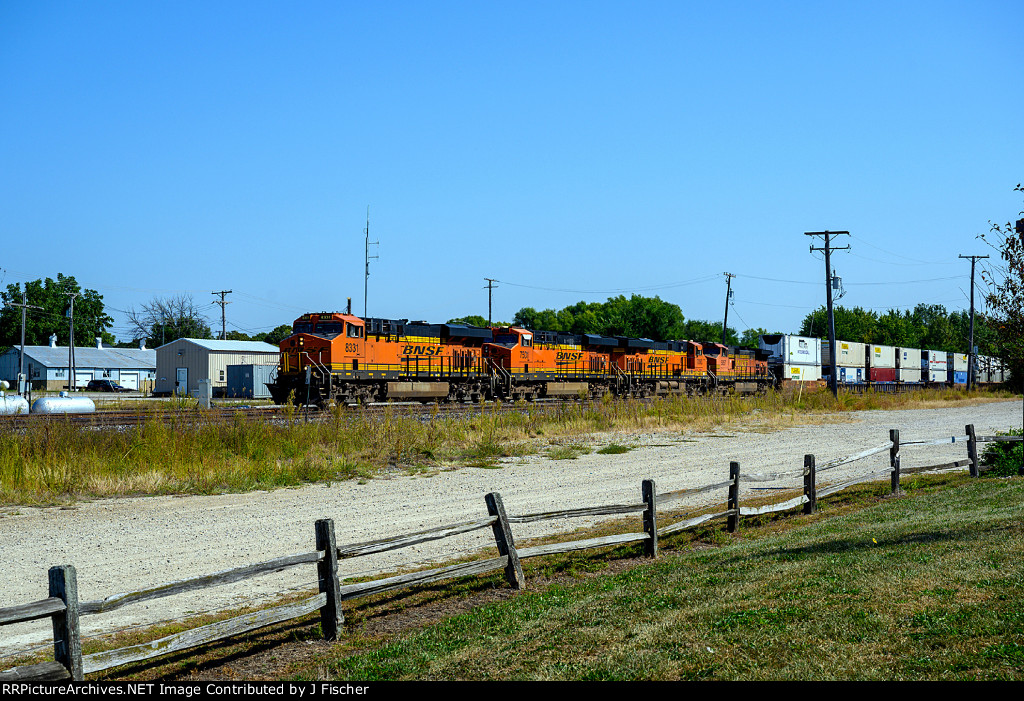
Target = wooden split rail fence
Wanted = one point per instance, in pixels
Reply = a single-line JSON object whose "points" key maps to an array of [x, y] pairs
{"points": [[64, 609]]}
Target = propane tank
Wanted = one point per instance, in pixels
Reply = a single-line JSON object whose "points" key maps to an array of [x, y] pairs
{"points": [[63, 403], [12, 404]]}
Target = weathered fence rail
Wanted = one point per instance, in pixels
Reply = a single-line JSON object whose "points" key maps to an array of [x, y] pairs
{"points": [[64, 610]]}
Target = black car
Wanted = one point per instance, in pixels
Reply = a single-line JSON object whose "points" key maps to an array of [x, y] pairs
{"points": [[105, 386]]}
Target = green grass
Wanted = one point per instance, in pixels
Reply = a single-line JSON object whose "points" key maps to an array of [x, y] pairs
{"points": [[924, 587], [614, 449]]}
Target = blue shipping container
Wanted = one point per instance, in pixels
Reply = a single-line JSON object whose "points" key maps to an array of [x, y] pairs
{"points": [[958, 377]]}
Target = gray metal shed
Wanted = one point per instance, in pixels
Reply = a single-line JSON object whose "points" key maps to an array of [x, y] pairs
{"points": [[180, 364]]}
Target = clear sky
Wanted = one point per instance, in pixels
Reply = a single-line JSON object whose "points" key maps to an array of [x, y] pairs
{"points": [[569, 150]]}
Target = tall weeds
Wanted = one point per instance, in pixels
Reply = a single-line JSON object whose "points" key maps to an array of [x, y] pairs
{"points": [[177, 451]]}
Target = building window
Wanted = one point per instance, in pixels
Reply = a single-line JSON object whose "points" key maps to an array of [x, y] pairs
{"points": [[221, 375]]}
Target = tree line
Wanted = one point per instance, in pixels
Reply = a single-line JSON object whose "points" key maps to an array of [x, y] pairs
{"points": [[928, 326]]}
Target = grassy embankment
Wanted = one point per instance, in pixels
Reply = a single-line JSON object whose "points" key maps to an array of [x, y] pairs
{"points": [[926, 587], [172, 453]]}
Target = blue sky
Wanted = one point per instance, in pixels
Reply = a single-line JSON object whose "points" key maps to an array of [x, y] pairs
{"points": [[570, 150]]}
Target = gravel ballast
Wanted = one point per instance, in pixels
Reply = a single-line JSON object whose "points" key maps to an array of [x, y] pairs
{"points": [[119, 545]]}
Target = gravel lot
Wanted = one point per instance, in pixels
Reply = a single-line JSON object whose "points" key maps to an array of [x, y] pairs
{"points": [[122, 545]]}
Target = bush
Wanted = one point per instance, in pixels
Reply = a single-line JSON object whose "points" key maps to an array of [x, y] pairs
{"points": [[1004, 459]]}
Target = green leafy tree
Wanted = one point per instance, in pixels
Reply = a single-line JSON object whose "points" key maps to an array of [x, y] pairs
{"points": [[709, 332], [471, 320], [54, 298], [1006, 292], [275, 336], [856, 325], [751, 338]]}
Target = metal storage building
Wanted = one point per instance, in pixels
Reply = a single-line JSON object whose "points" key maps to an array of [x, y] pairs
{"points": [[47, 367], [180, 364]]}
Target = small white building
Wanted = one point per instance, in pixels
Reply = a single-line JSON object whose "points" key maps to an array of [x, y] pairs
{"points": [[180, 364], [47, 367]]}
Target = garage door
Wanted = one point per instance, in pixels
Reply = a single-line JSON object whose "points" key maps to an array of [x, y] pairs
{"points": [[129, 380]]}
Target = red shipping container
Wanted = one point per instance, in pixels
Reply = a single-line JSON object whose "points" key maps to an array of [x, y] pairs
{"points": [[883, 374]]}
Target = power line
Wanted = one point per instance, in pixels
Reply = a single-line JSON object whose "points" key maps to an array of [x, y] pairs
{"points": [[647, 288]]}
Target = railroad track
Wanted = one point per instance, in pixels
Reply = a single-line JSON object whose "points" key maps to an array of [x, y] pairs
{"points": [[128, 418]]}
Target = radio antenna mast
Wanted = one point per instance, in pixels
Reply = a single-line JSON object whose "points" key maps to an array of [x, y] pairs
{"points": [[366, 279]]}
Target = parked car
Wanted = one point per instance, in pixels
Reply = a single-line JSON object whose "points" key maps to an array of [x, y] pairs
{"points": [[105, 386]]}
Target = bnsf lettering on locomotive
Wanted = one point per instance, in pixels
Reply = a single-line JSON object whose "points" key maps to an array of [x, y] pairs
{"points": [[411, 349], [561, 355]]}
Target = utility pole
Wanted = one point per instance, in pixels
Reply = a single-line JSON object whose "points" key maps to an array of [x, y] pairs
{"points": [[728, 294], [71, 342], [833, 380], [223, 317], [970, 346], [21, 359], [490, 288], [366, 279]]}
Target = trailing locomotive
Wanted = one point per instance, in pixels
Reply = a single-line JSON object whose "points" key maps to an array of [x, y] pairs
{"points": [[340, 358]]}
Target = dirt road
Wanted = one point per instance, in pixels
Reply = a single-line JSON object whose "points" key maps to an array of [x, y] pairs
{"points": [[122, 545]]}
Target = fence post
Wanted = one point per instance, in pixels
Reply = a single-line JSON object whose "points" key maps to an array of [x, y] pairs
{"points": [[503, 539], [972, 449], [67, 640], [332, 618], [734, 497], [650, 518], [894, 459], [810, 485]]}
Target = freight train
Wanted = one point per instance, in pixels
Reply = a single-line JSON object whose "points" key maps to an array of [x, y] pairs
{"points": [[881, 368], [338, 358]]}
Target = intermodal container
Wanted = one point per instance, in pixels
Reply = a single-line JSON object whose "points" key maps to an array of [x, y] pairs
{"points": [[957, 377], [909, 374], [956, 361], [796, 372], [908, 358], [791, 350], [882, 356], [933, 375], [883, 374], [848, 355], [851, 376], [934, 361]]}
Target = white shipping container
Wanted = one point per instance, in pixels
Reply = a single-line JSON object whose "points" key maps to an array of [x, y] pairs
{"points": [[848, 355], [791, 350], [956, 362], [908, 358], [934, 361], [797, 372], [933, 375], [908, 374], [882, 356]]}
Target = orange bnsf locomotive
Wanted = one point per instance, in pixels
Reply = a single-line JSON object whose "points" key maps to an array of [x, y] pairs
{"points": [[341, 358]]}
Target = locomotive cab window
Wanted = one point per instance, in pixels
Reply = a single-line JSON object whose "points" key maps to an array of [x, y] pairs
{"points": [[355, 331]]}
